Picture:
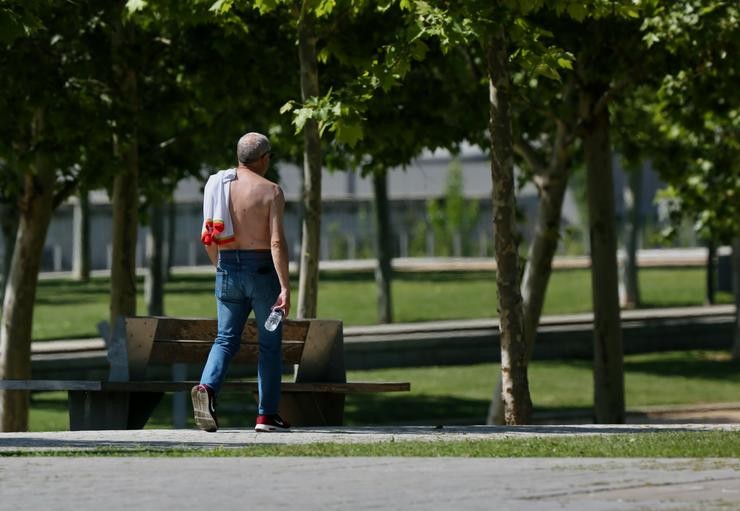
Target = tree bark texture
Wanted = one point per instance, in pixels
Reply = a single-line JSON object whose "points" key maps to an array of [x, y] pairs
{"points": [[515, 386], [308, 281], [384, 270], [608, 349], [81, 240], [633, 217], [10, 219], [169, 253], [125, 199], [553, 183], [711, 288], [154, 281], [37, 206], [736, 291], [125, 227]]}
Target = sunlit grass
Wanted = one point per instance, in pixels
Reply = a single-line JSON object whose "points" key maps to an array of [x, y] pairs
{"points": [[66, 309], [668, 444]]}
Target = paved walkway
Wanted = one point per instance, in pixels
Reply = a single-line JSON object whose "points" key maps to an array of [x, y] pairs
{"points": [[429, 484], [424, 484]]}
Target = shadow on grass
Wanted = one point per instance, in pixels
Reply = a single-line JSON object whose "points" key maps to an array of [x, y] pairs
{"points": [[695, 368], [371, 410], [70, 292], [74, 299], [56, 402], [206, 288], [445, 276], [378, 409], [720, 298]]}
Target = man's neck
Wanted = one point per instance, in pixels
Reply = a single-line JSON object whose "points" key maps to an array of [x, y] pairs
{"points": [[247, 168]]}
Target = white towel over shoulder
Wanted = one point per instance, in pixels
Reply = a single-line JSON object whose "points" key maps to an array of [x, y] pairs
{"points": [[217, 225]]}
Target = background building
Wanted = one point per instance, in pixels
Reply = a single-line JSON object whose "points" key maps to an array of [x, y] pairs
{"points": [[348, 219]]}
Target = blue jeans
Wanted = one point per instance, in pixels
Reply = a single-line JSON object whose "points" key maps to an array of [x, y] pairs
{"points": [[246, 280]]}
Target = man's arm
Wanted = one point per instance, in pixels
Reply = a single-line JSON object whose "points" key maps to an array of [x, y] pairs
{"points": [[279, 249], [212, 251]]}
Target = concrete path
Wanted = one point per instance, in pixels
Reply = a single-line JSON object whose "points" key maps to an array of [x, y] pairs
{"points": [[424, 484], [444, 484]]}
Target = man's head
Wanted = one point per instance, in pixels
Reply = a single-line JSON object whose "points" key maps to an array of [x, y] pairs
{"points": [[252, 148]]}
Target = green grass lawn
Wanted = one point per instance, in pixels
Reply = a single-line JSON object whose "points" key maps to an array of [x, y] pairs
{"points": [[671, 444], [66, 309], [460, 394]]}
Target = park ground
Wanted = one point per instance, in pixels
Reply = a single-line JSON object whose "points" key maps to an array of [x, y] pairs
{"points": [[529, 467]]}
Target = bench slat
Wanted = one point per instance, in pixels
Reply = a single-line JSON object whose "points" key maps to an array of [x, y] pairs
{"points": [[90, 385], [166, 386], [206, 329], [196, 352], [251, 386]]}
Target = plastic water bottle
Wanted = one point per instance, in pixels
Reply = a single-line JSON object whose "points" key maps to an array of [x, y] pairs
{"points": [[273, 320]]}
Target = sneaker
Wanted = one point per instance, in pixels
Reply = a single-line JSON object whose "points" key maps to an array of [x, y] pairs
{"points": [[267, 423], [204, 408]]}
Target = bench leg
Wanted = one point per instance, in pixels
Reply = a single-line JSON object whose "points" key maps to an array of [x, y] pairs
{"points": [[312, 408], [110, 410], [141, 406], [97, 410]]}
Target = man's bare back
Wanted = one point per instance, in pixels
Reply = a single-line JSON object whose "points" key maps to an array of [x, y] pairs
{"points": [[252, 197]]}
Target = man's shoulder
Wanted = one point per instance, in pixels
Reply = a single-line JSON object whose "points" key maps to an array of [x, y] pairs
{"points": [[225, 173], [266, 183]]}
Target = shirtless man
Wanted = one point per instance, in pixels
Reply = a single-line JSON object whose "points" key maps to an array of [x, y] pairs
{"points": [[251, 274]]}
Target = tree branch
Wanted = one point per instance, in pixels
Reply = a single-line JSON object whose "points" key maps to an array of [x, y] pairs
{"points": [[64, 191], [603, 101], [527, 152]]}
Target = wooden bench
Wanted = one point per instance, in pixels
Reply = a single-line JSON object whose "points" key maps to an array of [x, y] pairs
{"points": [[142, 345]]}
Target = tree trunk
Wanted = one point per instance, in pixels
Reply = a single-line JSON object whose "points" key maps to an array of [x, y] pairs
{"points": [[711, 272], [515, 386], [81, 241], [736, 290], [154, 281], [125, 227], [125, 200], [553, 184], [308, 282], [36, 209], [10, 219], [608, 350], [633, 217], [384, 270]]}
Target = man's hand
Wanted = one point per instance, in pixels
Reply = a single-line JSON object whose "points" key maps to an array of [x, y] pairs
{"points": [[283, 302], [212, 251]]}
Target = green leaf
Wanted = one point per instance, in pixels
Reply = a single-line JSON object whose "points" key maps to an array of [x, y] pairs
{"points": [[547, 71], [577, 11], [630, 12], [287, 107], [265, 6], [221, 6], [349, 132], [419, 50], [135, 5], [325, 8], [565, 63], [300, 117], [650, 39]]}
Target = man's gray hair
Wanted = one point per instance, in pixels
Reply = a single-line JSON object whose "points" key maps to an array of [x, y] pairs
{"points": [[252, 147]]}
